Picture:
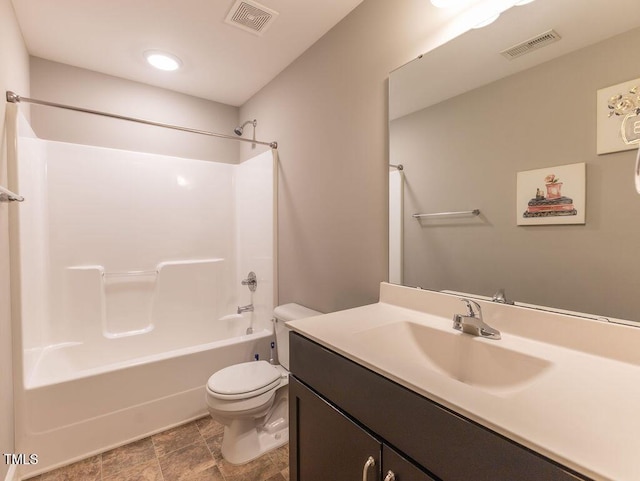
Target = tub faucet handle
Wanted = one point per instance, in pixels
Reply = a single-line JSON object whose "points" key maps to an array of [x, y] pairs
{"points": [[251, 281]]}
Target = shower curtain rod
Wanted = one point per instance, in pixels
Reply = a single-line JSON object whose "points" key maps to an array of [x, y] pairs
{"points": [[15, 98]]}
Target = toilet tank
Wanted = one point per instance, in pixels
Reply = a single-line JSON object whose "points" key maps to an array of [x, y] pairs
{"points": [[282, 314]]}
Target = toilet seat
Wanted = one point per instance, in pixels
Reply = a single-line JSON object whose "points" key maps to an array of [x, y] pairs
{"points": [[244, 380]]}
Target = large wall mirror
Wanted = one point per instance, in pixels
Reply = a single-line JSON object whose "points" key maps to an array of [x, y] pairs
{"points": [[465, 121]]}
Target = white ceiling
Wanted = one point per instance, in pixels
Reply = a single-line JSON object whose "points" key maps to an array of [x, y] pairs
{"points": [[220, 62]]}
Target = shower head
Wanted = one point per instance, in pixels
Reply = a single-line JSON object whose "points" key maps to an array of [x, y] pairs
{"points": [[238, 130]]}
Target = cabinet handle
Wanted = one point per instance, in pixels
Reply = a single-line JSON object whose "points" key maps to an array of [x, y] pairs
{"points": [[390, 476], [365, 471]]}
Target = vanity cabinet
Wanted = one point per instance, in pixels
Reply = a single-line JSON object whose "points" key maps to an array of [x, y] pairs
{"points": [[341, 413], [329, 445]]}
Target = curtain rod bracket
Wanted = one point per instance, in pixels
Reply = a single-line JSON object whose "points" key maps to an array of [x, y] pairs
{"points": [[7, 196], [12, 97]]}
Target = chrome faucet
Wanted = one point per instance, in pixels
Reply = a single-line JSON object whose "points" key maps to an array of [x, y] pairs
{"points": [[501, 297], [251, 281], [472, 323], [247, 308]]}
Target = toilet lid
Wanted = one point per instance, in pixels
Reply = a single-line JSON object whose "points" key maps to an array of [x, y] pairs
{"points": [[250, 378]]}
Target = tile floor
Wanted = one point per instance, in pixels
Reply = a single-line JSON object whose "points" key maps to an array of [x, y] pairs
{"points": [[190, 452]]}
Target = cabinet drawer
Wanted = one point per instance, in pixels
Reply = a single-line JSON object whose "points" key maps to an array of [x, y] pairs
{"points": [[445, 443]]}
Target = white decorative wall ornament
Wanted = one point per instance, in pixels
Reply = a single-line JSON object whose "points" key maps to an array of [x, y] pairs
{"points": [[618, 117]]}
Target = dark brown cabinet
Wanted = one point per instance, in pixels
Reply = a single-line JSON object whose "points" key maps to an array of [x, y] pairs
{"points": [[341, 413], [329, 445]]}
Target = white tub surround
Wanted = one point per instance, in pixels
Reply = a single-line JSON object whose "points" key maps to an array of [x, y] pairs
{"points": [[130, 269], [564, 386], [396, 215]]}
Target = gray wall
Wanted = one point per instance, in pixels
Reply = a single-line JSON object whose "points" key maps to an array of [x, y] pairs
{"points": [[464, 153], [328, 111], [14, 75], [56, 82]]}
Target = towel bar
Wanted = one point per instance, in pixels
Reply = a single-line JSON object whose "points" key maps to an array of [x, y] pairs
{"points": [[473, 212]]}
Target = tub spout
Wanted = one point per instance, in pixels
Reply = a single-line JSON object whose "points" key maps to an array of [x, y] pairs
{"points": [[247, 308]]}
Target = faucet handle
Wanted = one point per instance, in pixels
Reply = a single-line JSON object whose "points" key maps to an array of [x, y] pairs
{"points": [[251, 281], [470, 308], [501, 298]]}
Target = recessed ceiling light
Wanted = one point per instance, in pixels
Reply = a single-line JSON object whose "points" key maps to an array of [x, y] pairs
{"points": [[162, 60]]}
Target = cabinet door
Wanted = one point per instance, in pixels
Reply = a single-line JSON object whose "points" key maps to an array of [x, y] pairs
{"points": [[325, 444], [397, 468]]}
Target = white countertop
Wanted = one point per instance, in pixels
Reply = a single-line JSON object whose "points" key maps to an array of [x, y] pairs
{"points": [[583, 411]]}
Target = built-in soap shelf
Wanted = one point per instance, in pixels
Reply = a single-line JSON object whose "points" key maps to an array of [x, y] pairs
{"points": [[130, 273], [131, 302]]}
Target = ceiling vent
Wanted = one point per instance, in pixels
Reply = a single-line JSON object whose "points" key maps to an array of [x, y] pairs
{"points": [[251, 16], [532, 44]]}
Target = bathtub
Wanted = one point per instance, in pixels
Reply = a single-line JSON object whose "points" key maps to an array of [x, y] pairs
{"points": [[82, 399], [125, 266]]}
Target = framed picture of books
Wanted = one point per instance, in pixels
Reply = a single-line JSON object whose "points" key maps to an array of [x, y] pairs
{"points": [[553, 195]]}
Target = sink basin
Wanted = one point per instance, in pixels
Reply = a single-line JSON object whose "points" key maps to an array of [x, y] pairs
{"points": [[484, 364]]}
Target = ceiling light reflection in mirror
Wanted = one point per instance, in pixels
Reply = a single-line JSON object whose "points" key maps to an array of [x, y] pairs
{"points": [[448, 3]]}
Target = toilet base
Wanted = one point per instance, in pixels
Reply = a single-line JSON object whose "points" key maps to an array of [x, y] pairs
{"points": [[248, 438], [242, 442]]}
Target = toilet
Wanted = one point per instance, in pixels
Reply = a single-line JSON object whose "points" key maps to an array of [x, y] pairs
{"points": [[251, 398]]}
